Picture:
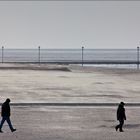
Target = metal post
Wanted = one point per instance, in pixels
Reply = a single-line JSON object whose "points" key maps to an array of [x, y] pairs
{"points": [[39, 55], [82, 56], [138, 58], [2, 55]]}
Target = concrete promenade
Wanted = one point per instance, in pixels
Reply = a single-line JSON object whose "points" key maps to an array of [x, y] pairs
{"points": [[70, 123]]}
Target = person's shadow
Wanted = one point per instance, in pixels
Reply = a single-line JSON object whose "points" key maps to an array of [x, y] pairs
{"points": [[129, 126], [132, 126]]}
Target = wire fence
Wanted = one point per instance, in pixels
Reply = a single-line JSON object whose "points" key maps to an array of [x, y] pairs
{"points": [[70, 56]]}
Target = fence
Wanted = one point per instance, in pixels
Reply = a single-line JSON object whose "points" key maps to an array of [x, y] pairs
{"points": [[70, 56]]}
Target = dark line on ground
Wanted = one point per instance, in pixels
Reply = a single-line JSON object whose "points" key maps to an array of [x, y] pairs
{"points": [[74, 104]]}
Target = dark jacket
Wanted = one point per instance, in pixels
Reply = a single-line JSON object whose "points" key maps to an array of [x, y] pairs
{"points": [[5, 109], [121, 113]]}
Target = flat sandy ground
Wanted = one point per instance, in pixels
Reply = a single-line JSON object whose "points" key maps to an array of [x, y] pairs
{"points": [[69, 84], [94, 85], [65, 123]]}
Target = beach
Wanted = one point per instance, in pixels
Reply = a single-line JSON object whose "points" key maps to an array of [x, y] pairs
{"points": [[70, 123], [70, 70], [31, 87], [33, 83]]}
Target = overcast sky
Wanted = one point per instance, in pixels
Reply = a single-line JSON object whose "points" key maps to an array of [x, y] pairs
{"points": [[71, 24]]}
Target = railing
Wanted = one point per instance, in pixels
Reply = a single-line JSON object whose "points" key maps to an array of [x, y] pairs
{"points": [[70, 56]]}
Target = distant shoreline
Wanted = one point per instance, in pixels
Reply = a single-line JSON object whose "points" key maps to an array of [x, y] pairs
{"points": [[65, 68]]}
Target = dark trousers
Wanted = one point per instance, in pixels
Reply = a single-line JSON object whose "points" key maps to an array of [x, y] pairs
{"points": [[5, 118], [121, 122]]}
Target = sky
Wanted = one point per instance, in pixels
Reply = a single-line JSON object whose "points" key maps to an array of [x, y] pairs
{"points": [[70, 24]]}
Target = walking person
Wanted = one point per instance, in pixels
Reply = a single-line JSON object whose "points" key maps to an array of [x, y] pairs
{"points": [[120, 116], [5, 113]]}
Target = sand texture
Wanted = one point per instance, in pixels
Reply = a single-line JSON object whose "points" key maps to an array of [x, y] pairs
{"points": [[54, 123], [75, 84]]}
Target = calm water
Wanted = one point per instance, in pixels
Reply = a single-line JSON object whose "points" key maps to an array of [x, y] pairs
{"points": [[47, 55]]}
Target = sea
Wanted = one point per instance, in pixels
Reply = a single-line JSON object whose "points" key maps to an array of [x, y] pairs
{"points": [[72, 55]]}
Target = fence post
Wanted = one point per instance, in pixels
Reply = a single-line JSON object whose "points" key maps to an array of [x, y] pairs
{"points": [[138, 58], [2, 55], [82, 56], [39, 55]]}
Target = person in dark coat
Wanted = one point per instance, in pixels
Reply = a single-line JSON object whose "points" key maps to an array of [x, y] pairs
{"points": [[5, 113], [120, 116]]}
